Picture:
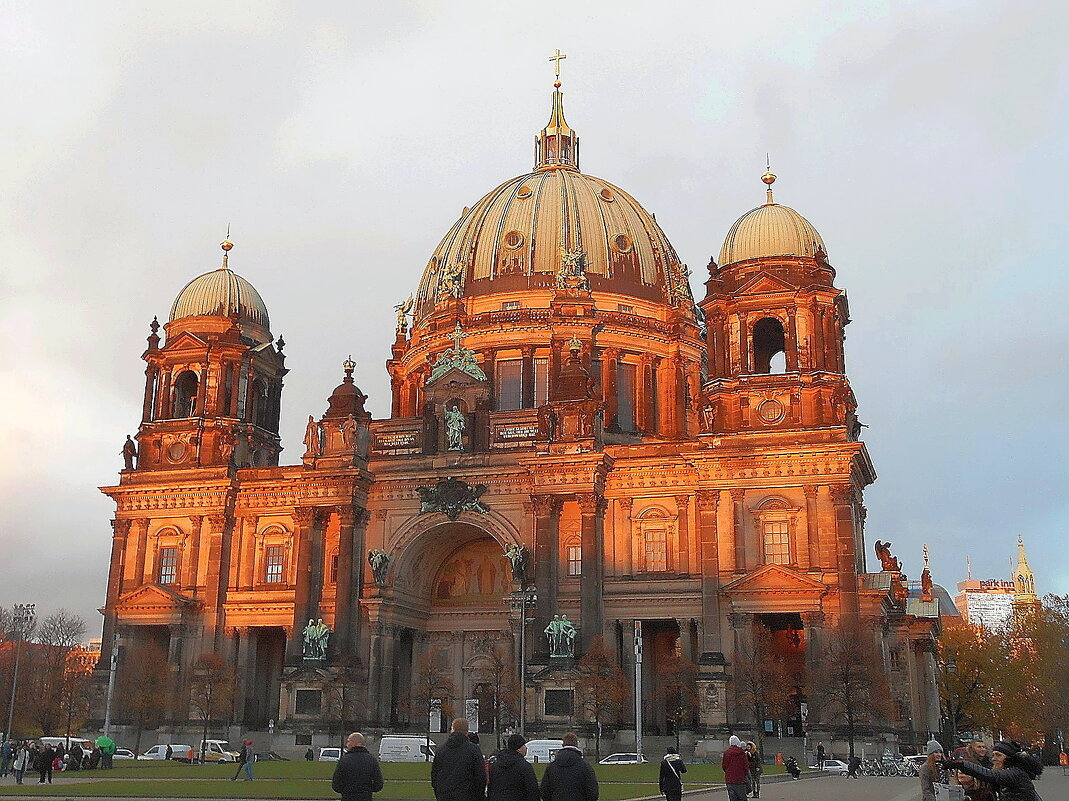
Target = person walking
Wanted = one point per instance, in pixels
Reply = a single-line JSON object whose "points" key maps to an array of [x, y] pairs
{"points": [[169, 753], [670, 782], [930, 772], [44, 764], [736, 767], [250, 760], [569, 777], [1013, 772], [240, 761], [852, 765], [753, 757], [22, 762], [512, 778], [357, 775], [7, 753], [457, 772], [821, 753]]}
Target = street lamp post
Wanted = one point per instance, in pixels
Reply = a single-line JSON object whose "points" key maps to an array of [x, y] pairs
{"points": [[22, 621], [520, 559]]}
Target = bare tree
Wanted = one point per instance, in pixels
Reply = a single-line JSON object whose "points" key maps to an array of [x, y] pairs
{"points": [[761, 681], [57, 635], [144, 691], [853, 683], [499, 674], [677, 689], [211, 690], [602, 688], [432, 681]]}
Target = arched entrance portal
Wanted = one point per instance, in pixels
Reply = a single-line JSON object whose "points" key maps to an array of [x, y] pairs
{"points": [[450, 632]]}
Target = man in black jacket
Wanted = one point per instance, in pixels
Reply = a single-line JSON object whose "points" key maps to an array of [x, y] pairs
{"points": [[457, 773], [357, 774], [569, 777], [511, 777]]}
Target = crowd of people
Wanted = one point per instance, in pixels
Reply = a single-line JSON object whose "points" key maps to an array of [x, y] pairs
{"points": [[21, 757], [1007, 772]]}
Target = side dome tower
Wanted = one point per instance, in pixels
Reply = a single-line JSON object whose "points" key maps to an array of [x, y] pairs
{"points": [[549, 256], [213, 390]]}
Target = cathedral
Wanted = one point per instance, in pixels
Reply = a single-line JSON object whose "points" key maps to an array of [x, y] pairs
{"points": [[578, 455]]}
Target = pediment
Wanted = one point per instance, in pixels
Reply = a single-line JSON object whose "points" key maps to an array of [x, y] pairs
{"points": [[184, 340], [764, 284], [153, 599], [774, 579], [457, 376]]}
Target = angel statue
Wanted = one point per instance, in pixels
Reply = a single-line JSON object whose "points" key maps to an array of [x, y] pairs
{"points": [[520, 558], [380, 563], [403, 310], [887, 562]]}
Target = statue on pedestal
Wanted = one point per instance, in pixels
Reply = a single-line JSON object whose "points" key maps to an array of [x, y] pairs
{"points": [[561, 634], [129, 452], [454, 428], [312, 438], [316, 636], [380, 563]]}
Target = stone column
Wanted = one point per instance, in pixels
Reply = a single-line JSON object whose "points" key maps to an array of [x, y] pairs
{"points": [[843, 498], [686, 638], [813, 622], [624, 536], [120, 530], [738, 510], [304, 518], [191, 558], [609, 359], [163, 398], [683, 533], [527, 377], [708, 502], [546, 559], [592, 527], [351, 538], [744, 345], [216, 578], [375, 673], [139, 541], [812, 532], [151, 377], [243, 671], [791, 343], [645, 397]]}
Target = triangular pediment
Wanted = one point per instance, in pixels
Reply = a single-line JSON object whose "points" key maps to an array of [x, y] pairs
{"points": [[774, 579], [184, 340], [764, 284], [152, 598]]}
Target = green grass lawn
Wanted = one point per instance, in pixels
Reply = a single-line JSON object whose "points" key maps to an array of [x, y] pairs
{"points": [[308, 780]]}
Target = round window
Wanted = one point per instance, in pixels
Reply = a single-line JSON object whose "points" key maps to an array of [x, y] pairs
{"points": [[622, 243], [607, 195], [513, 240], [523, 191], [771, 411]]}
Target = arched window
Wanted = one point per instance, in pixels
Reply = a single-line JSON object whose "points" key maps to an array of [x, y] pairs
{"points": [[657, 539], [768, 342], [185, 394]]}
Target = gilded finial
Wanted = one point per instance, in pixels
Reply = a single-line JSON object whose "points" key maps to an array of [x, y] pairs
{"points": [[349, 365], [227, 246], [768, 179]]}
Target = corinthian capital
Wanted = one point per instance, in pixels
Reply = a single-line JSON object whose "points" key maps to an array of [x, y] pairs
{"points": [[545, 505], [590, 503]]}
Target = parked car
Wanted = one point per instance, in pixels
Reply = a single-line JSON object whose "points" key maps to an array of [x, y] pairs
{"points": [[124, 753], [399, 748], [270, 756], [329, 754], [833, 766], [623, 759]]}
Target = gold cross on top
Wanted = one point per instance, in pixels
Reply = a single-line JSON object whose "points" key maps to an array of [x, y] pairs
{"points": [[556, 57]]}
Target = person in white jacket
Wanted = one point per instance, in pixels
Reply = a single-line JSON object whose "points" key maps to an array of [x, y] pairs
{"points": [[22, 761]]}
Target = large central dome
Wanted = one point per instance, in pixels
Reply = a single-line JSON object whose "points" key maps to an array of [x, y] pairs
{"points": [[514, 237]]}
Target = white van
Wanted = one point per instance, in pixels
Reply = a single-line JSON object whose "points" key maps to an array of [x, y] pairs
{"points": [[541, 752], [401, 748], [179, 752], [218, 751]]}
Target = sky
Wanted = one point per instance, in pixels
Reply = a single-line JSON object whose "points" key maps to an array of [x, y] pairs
{"points": [[924, 140]]}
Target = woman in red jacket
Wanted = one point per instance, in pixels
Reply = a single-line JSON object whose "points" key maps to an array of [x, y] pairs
{"points": [[736, 767]]}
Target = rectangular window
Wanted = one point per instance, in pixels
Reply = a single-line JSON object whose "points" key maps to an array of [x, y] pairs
{"points": [[625, 396], [559, 703], [777, 542], [509, 305], [168, 565], [575, 560], [896, 659], [302, 739], [541, 369], [509, 384], [334, 569], [656, 551], [274, 562], [623, 307], [308, 702]]}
